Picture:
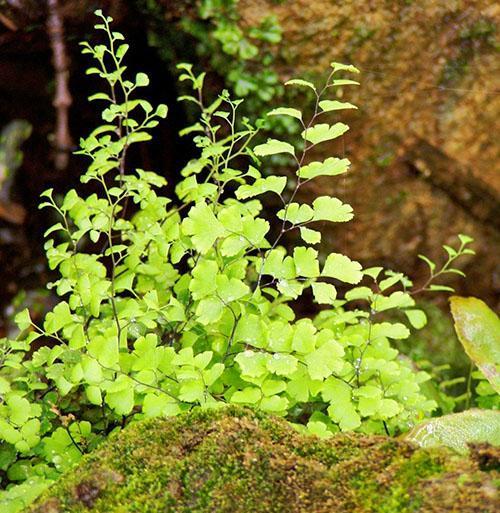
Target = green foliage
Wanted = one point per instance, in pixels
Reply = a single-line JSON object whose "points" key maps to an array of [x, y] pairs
{"points": [[244, 57], [12, 136], [478, 329], [447, 268], [458, 429], [171, 304]]}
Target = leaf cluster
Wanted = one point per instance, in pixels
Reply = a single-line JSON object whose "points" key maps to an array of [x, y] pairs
{"points": [[171, 303]]}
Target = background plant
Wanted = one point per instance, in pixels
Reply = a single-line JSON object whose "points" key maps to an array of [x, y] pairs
{"points": [[478, 329], [243, 56], [167, 305]]}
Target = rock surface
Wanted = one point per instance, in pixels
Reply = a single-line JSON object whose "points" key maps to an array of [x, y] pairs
{"points": [[428, 73], [237, 461]]}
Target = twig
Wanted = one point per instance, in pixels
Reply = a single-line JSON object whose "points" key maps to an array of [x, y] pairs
{"points": [[8, 22], [62, 98]]}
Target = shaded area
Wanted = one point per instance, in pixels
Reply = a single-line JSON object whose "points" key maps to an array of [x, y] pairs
{"points": [[27, 91]]}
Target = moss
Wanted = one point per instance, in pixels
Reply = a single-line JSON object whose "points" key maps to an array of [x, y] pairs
{"points": [[238, 461]]}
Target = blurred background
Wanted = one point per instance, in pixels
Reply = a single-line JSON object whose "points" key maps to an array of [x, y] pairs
{"points": [[424, 142]]}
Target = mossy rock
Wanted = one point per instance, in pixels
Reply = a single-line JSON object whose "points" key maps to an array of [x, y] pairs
{"points": [[238, 461]]}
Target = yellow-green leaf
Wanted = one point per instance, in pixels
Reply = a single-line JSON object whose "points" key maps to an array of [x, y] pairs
{"points": [[273, 147], [458, 429], [331, 105], [286, 111], [323, 132], [478, 328]]}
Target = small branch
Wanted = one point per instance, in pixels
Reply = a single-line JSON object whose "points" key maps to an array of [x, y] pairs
{"points": [[62, 98], [8, 22]]}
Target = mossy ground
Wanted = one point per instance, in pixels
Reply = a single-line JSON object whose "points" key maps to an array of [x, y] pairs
{"points": [[238, 461]]}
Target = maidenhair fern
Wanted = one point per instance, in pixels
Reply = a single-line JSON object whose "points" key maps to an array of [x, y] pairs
{"points": [[171, 303]]}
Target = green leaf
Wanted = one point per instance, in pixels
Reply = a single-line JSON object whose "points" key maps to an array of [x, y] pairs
{"points": [[304, 338], [94, 395], [341, 409], [92, 371], [369, 398], [141, 80], [301, 83], [296, 213], [290, 288], [210, 376], [280, 336], [465, 239], [338, 66], [20, 409], [332, 166], [398, 299], [156, 405], [325, 360], [273, 147], [397, 330], [417, 318], [4, 386], [331, 209], [209, 310], [192, 391], [389, 408], [478, 329], [441, 288], [136, 137], [430, 263], [276, 265], [286, 111], [310, 236], [343, 82], [23, 319], [162, 111], [184, 357], [324, 293], [273, 387], [306, 262], [282, 364], [60, 317], [252, 364], [373, 272], [275, 403], [323, 132], [203, 226], [342, 268], [457, 430], [251, 330], [99, 96], [201, 360], [231, 289], [332, 105], [121, 402], [299, 385], [357, 293], [249, 395], [274, 184], [255, 230], [104, 350], [387, 283]]}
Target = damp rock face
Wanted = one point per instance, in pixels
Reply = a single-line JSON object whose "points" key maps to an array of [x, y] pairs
{"points": [[237, 461], [427, 90]]}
